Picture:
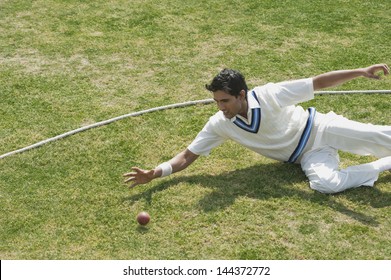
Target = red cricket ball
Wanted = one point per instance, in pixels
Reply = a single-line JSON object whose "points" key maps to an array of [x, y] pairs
{"points": [[143, 218]]}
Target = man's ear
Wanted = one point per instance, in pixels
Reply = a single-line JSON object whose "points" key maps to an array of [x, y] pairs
{"points": [[242, 94]]}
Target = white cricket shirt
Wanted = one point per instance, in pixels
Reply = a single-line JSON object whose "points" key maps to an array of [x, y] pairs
{"points": [[274, 127]]}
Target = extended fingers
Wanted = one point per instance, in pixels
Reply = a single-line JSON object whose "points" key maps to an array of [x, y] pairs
{"points": [[386, 69], [131, 179], [372, 71], [131, 176], [135, 171], [382, 67], [136, 177]]}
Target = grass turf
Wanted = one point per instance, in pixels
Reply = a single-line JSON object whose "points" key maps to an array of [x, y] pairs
{"points": [[66, 64]]}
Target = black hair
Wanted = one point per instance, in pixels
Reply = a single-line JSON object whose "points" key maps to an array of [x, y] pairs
{"points": [[229, 81]]}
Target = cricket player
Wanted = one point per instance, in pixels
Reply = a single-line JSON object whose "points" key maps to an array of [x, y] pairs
{"points": [[268, 121]]}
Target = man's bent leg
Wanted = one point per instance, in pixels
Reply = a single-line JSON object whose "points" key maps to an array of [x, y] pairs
{"points": [[322, 169]]}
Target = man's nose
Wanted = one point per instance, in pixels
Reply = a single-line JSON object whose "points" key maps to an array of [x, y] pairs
{"points": [[221, 106]]}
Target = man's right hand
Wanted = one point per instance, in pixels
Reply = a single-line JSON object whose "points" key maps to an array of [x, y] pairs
{"points": [[139, 176]]}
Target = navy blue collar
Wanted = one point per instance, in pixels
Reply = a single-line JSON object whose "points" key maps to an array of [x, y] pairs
{"points": [[255, 109]]}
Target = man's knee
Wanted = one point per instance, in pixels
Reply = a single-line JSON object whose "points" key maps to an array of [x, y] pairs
{"points": [[329, 185]]}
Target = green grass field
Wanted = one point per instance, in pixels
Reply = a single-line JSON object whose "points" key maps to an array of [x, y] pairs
{"points": [[66, 64]]}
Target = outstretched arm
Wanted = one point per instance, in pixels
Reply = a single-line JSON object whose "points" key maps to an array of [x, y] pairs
{"points": [[179, 162], [335, 78]]}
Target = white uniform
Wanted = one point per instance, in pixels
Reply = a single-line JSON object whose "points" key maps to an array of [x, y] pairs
{"points": [[278, 129]]}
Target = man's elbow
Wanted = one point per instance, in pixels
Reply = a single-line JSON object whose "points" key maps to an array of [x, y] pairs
{"points": [[318, 83], [190, 156]]}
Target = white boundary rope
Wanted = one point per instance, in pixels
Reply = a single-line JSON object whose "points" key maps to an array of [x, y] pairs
{"points": [[84, 128], [172, 106], [352, 92]]}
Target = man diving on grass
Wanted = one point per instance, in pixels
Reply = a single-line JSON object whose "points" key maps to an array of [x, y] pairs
{"points": [[268, 121]]}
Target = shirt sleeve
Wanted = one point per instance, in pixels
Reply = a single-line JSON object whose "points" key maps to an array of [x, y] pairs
{"points": [[206, 140], [293, 92]]}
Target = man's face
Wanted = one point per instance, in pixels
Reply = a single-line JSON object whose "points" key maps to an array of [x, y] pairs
{"points": [[229, 104]]}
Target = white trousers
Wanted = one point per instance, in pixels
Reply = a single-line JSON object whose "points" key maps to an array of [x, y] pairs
{"points": [[321, 162]]}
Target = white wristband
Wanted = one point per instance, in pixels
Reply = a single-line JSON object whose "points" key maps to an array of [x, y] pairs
{"points": [[166, 169]]}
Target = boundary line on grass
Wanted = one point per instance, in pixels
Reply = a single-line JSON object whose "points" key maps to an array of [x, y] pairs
{"points": [[161, 108]]}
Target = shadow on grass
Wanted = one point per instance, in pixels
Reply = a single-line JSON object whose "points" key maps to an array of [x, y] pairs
{"points": [[142, 229], [270, 181]]}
